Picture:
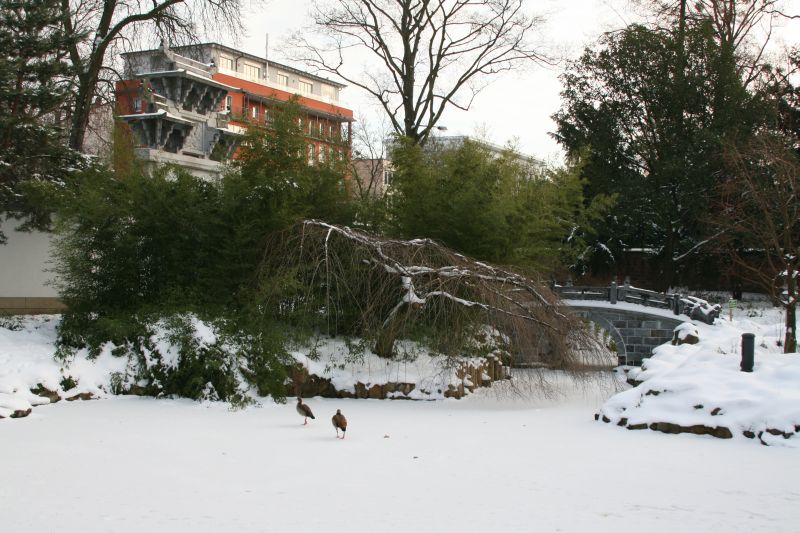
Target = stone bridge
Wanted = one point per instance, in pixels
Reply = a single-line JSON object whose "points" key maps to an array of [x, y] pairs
{"points": [[635, 333], [637, 320]]}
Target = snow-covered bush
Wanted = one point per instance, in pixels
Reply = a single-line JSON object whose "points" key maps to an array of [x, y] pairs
{"points": [[184, 356]]}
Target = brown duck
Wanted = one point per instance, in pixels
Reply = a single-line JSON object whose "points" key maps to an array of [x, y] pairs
{"points": [[304, 411], [339, 422]]}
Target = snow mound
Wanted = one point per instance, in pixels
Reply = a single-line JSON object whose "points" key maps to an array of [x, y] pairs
{"points": [[699, 388], [28, 363]]}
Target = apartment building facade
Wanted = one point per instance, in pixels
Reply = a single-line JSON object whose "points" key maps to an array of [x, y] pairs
{"points": [[191, 105]]}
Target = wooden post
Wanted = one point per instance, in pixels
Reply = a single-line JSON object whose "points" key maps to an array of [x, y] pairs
{"points": [[676, 303]]}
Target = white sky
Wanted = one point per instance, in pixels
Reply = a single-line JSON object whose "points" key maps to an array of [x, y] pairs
{"points": [[516, 106]]}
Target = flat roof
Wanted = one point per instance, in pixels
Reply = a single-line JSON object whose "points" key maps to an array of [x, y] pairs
{"points": [[239, 53]]}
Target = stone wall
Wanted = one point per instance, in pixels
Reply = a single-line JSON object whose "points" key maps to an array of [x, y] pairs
{"points": [[470, 377]]}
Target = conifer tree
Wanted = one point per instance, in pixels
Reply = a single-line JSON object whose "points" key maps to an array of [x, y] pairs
{"points": [[33, 89]]}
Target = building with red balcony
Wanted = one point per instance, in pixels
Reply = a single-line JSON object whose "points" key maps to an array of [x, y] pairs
{"points": [[190, 105]]}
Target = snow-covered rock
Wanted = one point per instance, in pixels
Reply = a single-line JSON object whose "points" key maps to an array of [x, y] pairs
{"points": [[699, 388]]}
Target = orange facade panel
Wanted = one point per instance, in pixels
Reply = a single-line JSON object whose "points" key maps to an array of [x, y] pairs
{"points": [[127, 92], [277, 94]]}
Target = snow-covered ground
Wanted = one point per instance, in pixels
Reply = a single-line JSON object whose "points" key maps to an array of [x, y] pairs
{"points": [[474, 465], [493, 461]]}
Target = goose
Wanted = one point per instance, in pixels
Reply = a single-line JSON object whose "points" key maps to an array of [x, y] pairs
{"points": [[339, 422], [304, 411]]}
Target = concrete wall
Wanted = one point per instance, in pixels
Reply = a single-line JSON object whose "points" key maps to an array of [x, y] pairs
{"points": [[23, 272]]}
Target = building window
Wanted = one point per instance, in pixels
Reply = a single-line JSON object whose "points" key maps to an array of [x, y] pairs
{"points": [[228, 103], [226, 63], [137, 105], [252, 71], [329, 91], [321, 129], [305, 87], [387, 177], [254, 112], [310, 128], [331, 130], [269, 118], [282, 79], [312, 154]]}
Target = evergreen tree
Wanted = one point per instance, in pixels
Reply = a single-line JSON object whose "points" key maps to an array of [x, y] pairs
{"points": [[452, 195], [33, 88], [493, 207], [654, 108], [272, 185]]}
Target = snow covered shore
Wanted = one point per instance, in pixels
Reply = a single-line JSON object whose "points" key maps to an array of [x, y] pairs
{"points": [[694, 388], [699, 388], [31, 376], [493, 461]]}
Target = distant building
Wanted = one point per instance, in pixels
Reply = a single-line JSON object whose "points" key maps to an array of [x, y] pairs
{"points": [[190, 105], [456, 141], [375, 176]]}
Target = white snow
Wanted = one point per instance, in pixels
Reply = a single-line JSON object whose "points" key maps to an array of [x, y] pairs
{"points": [[702, 384], [494, 461], [626, 306], [430, 374], [474, 465]]}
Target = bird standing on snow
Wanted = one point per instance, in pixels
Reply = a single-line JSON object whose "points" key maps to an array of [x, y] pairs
{"points": [[339, 422], [304, 411]]}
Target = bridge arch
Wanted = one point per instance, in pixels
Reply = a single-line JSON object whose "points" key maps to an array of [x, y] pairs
{"points": [[634, 332], [608, 327]]}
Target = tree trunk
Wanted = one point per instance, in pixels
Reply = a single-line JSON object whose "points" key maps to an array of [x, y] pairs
{"points": [[82, 111], [790, 344], [384, 346]]}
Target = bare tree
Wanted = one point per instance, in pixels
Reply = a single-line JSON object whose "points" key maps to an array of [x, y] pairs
{"points": [[430, 54], [370, 153], [761, 218], [736, 25], [110, 25]]}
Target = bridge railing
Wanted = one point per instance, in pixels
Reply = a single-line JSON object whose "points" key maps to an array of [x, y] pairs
{"points": [[569, 292], [690, 306]]}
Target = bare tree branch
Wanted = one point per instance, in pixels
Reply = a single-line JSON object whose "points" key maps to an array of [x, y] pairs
{"points": [[428, 51], [761, 220], [390, 290]]}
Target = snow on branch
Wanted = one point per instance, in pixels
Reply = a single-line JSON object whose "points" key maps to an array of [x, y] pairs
{"points": [[346, 281]]}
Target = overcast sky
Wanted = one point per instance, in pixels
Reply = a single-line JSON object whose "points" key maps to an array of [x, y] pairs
{"points": [[516, 106]]}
